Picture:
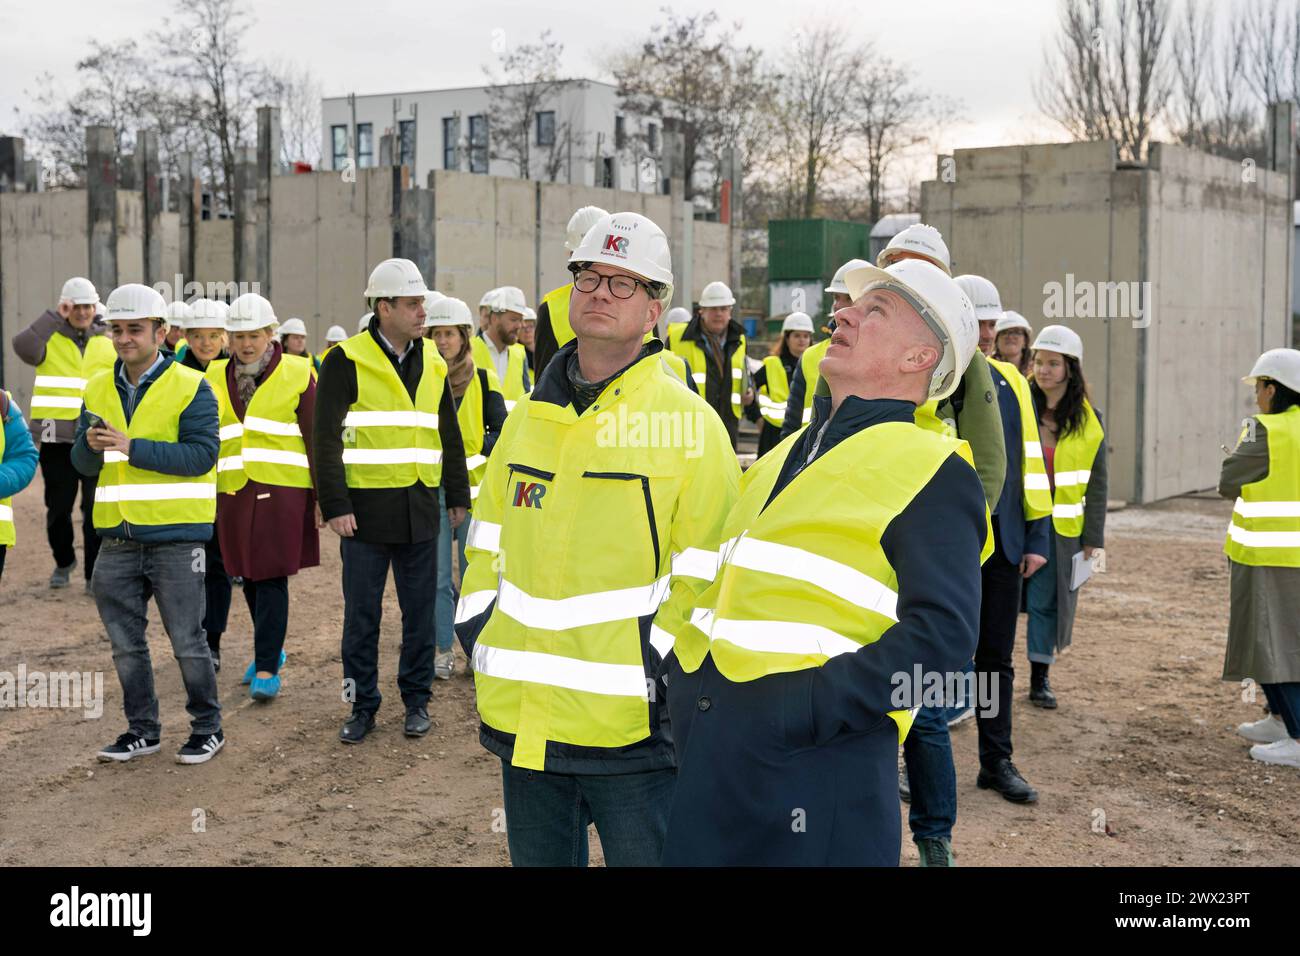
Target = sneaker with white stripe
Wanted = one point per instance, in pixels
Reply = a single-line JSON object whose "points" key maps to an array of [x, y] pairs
{"points": [[201, 748], [127, 746]]}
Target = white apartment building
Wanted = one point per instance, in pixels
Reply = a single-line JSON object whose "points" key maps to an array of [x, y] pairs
{"points": [[582, 137]]}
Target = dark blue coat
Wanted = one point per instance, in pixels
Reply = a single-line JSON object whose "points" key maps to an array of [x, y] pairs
{"points": [[1014, 535]]}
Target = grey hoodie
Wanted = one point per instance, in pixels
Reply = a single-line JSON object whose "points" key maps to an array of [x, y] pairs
{"points": [[29, 345]]}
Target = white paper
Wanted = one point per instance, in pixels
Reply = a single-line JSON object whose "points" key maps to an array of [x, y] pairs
{"points": [[1080, 570]]}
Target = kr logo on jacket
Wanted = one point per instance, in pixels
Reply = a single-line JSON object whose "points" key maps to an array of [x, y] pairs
{"points": [[528, 494]]}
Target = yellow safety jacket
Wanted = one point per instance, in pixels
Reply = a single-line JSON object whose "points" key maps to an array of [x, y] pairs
{"points": [[808, 362], [267, 446], [1265, 528], [806, 578], [8, 534], [1037, 493], [773, 395], [472, 430], [137, 495], [698, 363], [1075, 454], [61, 378], [583, 525], [516, 364], [557, 307], [388, 440]]}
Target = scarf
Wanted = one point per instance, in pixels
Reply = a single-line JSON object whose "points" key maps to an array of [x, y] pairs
{"points": [[460, 370], [246, 376], [585, 392]]}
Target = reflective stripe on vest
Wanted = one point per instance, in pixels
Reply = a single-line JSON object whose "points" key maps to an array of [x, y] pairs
{"points": [[1265, 528], [1037, 493], [472, 430], [8, 533], [517, 383], [808, 362], [806, 579], [1075, 454], [388, 441], [698, 362], [62, 376], [267, 446], [137, 495], [772, 396], [557, 307]]}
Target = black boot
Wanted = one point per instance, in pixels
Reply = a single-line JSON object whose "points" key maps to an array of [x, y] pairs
{"points": [[1040, 690], [1006, 780]]}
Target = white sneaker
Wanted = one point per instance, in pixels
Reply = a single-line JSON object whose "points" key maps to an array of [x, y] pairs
{"points": [[444, 664], [1284, 752], [1267, 731]]}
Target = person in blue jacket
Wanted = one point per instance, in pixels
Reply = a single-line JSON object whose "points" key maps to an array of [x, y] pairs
{"points": [[17, 466]]}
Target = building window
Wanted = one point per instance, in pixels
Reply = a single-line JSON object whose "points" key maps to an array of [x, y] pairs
{"points": [[652, 137], [339, 145], [607, 172], [450, 138], [619, 134], [365, 145], [546, 128], [478, 144], [406, 135]]}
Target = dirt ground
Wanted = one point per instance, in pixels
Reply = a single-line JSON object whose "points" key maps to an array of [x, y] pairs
{"points": [[1142, 745]]}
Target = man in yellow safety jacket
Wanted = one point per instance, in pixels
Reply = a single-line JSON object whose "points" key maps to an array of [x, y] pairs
{"points": [[713, 347], [833, 615], [553, 329], [605, 493], [497, 344]]}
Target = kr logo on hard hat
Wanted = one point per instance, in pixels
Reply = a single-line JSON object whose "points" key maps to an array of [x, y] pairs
{"points": [[617, 245], [529, 494]]}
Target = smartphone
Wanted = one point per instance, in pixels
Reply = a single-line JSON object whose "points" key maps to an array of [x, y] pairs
{"points": [[94, 421]]}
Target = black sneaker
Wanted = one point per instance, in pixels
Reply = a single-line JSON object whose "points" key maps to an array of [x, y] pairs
{"points": [[127, 746], [61, 576], [201, 748], [216, 660]]}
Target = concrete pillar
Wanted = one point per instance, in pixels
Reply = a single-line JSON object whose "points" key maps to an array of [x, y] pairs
{"points": [[149, 177], [268, 165], [245, 217], [187, 203], [32, 176], [101, 206], [11, 164], [414, 237], [732, 165]]}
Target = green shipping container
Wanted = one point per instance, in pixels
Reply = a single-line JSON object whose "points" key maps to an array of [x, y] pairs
{"points": [[813, 248]]}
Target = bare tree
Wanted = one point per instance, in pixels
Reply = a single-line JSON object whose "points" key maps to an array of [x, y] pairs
{"points": [[297, 91], [1211, 107], [1270, 51], [528, 82]]}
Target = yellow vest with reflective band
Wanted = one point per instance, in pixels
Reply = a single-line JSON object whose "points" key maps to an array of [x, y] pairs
{"points": [[562, 657], [557, 306], [1075, 454], [470, 418], [8, 535], [388, 440], [62, 376], [698, 363], [1037, 493], [927, 418], [1265, 527], [772, 396], [267, 446], [516, 361], [137, 495], [805, 578], [808, 362]]}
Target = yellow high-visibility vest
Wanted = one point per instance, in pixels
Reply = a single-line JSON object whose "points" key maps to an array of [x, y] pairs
{"points": [[808, 362], [267, 446], [388, 440], [8, 533], [61, 378], [516, 362], [1265, 528], [806, 578], [567, 656], [557, 307], [137, 495], [773, 396], [698, 363], [1075, 454], [470, 417], [1037, 493]]}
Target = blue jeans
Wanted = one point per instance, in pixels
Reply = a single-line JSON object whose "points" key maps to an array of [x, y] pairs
{"points": [[1284, 702], [547, 816], [931, 776], [1040, 598], [956, 704], [365, 572], [127, 574], [445, 607]]}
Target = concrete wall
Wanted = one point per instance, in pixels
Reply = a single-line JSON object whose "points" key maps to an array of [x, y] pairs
{"points": [[214, 252], [1213, 248]]}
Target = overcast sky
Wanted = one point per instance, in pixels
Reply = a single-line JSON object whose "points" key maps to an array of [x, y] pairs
{"points": [[986, 55]]}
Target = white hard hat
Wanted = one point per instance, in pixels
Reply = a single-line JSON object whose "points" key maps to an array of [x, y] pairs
{"points": [[677, 314], [1012, 320], [336, 333], [837, 281], [80, 291], [207, 314], [134, 301], [798, 322], [983, 294], [395, 277], [178, 314], [448, 311], [580, 222], [365, 322], [486, 301], [716, 294], [292, 327], [1281, 365], [430, 297], [508, 298], [250, 312], [920, 240], [1057, 338], [945, 308], [629, 241], [530, 314]]}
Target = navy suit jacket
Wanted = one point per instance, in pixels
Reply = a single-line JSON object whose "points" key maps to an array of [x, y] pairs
{"points": [[1014, 535]]}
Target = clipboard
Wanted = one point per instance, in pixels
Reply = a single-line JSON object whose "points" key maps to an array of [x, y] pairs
{"points": [[1081, 569]]}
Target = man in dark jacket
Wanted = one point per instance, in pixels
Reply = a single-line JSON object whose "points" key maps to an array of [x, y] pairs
{"points": [[383, 501], [709, 345]]}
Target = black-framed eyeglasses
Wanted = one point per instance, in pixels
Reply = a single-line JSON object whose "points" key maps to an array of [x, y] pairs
{"points": [[620, 286]]}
